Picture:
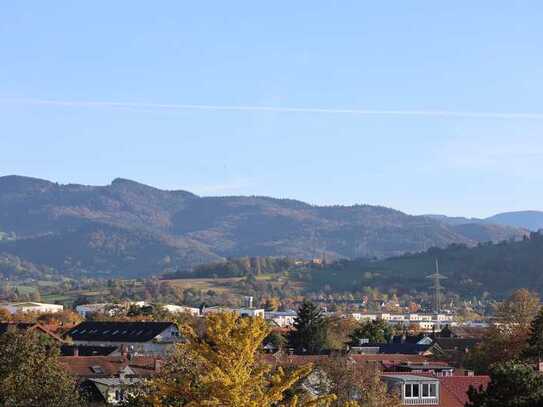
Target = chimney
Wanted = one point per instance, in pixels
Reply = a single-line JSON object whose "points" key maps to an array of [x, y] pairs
{"points": [[76, 350]]}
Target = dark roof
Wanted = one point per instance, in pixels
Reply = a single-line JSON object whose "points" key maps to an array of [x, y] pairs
{"points": [[404, 348], [115, 331], [85, 350], [457, 343], [409, 367], [408, 339]]}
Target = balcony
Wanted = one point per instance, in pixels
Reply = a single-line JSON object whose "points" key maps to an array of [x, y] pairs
{"points": [[427, 401]]}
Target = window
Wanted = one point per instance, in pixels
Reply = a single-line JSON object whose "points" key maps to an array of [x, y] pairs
{"points": [[429, 390], [412, 390], [425, 390], [97, 369]]}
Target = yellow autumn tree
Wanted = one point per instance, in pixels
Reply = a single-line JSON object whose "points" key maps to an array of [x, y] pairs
{"points": [[218, 365]]}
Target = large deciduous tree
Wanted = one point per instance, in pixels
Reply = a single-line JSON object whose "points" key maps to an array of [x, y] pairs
{"points": [[355, 385], [378, 331], [507, 339], [30, 374], [219, 365]]}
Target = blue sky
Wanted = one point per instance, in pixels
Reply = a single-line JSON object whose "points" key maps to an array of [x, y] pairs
{"points": [[414, 58]]}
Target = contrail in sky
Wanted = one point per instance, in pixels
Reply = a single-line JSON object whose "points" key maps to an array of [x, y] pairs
{"points": [[312, 110]]}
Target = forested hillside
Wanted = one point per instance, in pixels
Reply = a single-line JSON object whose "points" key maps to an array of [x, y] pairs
{"points": [[494, 268], [132, 229]]}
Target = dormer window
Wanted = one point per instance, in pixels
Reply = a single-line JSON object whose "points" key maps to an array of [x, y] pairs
{"points": [[412, 390], [429, 390]]}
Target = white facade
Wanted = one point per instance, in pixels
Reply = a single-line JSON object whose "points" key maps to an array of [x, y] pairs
{"points": [[250, 312], [177, 309], [32, 307], [281, 318], [364, 317], [86, 309]]}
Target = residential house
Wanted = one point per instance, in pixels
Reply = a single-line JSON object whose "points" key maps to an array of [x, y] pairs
{"points": [[144, 337], [105, 380], [427, 367], [423, 390], [414, 389], [452, 349]]}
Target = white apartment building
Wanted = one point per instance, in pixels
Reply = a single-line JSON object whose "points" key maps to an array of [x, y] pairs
{"points": [[31, 307], [178, 309]]}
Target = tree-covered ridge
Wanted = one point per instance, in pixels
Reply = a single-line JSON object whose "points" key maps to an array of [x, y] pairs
{"points": [[495, 268], [239, 267], [127, 228]]}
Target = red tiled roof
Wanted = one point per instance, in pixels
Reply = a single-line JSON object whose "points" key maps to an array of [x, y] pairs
{"points": [[384, 359], [454, 389], [82, 366]]}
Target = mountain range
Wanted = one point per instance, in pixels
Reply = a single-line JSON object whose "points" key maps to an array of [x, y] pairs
{"points": [[529, 220], [127, 228]]}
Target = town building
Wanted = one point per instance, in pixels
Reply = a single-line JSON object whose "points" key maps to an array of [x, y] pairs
{"points": [[281, 319], [106, 380], [179, 309], [426, 390], [413, 389], [31, 307], [141, 338], [86, 310]]}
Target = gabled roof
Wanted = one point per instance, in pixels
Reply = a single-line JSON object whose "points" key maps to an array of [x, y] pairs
{"points": [[296, 360], [454, 389], [404, 348], [28, 326], [108, 366], [457, 343], [117, 331]]}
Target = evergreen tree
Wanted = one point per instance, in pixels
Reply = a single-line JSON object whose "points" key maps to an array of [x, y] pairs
{"points": [[535, 340], [309, 334], [512, 384]]}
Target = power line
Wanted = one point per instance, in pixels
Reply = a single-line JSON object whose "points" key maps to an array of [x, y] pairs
{"points": [[437, 288]]}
